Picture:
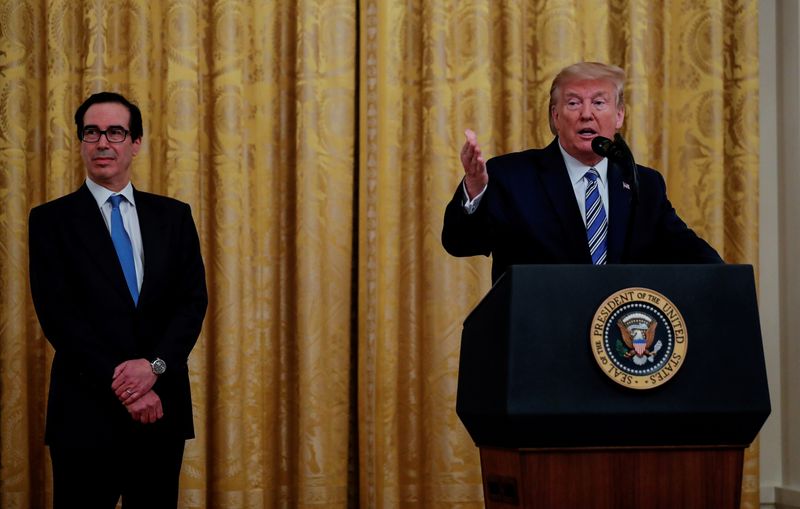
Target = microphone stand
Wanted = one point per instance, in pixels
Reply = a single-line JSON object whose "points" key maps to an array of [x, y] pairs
{"points": [[632, 170], [634, 176]]}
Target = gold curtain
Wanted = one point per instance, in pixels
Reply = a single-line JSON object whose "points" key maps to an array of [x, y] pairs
{"points": [[430, 69], [277, 121], [249, 112]]}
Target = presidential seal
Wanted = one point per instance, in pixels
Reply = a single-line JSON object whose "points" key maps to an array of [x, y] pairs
{"points": [[638, 338]]}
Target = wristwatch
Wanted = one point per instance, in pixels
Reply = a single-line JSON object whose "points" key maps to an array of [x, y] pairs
{"points": [[159, 366]]}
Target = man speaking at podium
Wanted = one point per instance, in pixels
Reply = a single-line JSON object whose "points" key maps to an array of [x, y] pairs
{"points": [[119, 287], [565, 203]]}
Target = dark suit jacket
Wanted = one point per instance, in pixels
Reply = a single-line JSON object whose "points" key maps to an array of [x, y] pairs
{"points": [[88, 315], [529, 215]]}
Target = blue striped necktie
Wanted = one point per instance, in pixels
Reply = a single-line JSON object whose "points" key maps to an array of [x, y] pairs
{"points": [[122, 243], [596, 222]]}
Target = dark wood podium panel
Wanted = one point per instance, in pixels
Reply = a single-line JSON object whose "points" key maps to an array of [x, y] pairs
{"points": [[620, 478]]}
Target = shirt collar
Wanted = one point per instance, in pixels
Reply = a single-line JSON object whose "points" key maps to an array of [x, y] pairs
{"points": [[577, 169], [101, 194]]}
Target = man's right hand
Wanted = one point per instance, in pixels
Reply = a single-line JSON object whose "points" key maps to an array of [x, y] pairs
{"points": [[475, 176], [147, 409]]}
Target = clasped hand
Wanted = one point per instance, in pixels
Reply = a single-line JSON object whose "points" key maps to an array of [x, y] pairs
{"points": [[132, 382]]}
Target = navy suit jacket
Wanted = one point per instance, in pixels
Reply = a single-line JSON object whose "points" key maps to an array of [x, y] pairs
{"points": [[529, 215], [88, 314]]}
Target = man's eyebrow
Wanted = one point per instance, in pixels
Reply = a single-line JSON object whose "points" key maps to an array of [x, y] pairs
{"points": [[109, 127]]}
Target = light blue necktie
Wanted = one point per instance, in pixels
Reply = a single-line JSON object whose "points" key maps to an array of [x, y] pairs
{"points": [[596, 223], [122, 243]]}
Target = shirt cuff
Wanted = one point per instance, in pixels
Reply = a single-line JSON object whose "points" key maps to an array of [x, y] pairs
{"points": [[471, 205]]}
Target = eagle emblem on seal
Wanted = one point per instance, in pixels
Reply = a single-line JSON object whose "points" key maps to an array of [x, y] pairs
{"points": [[639, 333]]}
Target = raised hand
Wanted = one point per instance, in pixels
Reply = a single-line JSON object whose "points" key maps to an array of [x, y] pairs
{"points": [[475, 176]]}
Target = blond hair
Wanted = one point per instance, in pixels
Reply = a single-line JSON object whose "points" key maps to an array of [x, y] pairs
{"points": [[585, 71]]}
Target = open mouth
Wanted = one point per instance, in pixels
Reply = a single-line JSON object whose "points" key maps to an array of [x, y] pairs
{"points": [[587, 132]]}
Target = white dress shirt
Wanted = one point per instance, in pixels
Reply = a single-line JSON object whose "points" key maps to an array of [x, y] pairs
{"points": [[130, 220], [577, 170]]}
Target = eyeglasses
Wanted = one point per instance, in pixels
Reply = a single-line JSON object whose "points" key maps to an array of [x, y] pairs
{"points": [[114, 134]]}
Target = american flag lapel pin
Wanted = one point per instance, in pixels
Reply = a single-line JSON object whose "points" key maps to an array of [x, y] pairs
{"points": [[626, 186]]}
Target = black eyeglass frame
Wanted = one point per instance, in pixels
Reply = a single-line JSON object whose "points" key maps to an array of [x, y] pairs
{"points": [[101, 133]]}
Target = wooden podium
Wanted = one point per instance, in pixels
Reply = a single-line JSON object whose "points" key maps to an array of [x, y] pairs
{"points": [[555, 432]]}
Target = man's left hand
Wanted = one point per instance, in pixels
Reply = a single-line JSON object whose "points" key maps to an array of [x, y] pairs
{"points": [[147, 409], [132, 380]]}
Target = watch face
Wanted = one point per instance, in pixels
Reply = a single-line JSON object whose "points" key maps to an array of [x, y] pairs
{"points": [[159, 366]]}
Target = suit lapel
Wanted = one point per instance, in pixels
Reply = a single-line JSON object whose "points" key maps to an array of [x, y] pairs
{"points": [[91, 231], [619, 194], [151, 243], [555, 179]]}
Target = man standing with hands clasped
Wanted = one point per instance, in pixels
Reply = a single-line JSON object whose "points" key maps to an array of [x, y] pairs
{"points": [[565, 203], [119, 287]]}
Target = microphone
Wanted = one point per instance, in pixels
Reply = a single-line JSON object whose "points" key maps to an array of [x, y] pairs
{"points": [[604, 147], [619, 151]]}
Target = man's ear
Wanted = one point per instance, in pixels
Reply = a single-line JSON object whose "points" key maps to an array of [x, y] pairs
{"points": [[136, 145]]}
